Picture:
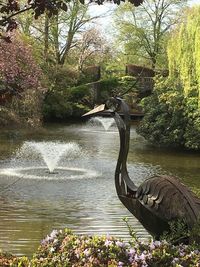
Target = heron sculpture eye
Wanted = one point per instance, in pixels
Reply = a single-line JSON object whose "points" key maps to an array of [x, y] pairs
{"points": [[113, 104]]}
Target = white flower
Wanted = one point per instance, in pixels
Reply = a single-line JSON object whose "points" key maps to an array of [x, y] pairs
{"points": [[52, 249], [157, 243]]}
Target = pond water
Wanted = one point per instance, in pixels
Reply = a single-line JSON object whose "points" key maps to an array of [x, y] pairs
{"points": [[79, 193]]}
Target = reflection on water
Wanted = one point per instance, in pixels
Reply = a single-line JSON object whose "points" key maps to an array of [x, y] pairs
{"points": [[30, 208]]}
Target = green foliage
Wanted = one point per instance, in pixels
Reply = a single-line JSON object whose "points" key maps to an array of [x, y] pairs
{"points": [[8, 117], [178, 232], [170, 118], [116, 86], [62, 104], [184, 53], [64, 99], [195, 233], [21, 81], [61, 78], [173, 112], [163, 123], [132, 232], [7, 259], [142, 31]]}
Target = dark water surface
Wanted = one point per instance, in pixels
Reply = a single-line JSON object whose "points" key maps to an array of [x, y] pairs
{"points": [[33, 202]]}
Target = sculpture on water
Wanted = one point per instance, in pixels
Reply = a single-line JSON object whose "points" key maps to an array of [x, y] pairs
{"points": [[159, 199]]}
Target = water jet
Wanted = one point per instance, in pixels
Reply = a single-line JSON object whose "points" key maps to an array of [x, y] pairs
{"points": [[105, 122], [28, 162]]}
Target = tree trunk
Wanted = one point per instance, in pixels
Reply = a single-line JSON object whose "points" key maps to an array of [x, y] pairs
{"points": [[46, 37]]}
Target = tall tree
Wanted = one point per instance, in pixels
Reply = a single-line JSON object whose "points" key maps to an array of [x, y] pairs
{"points": [[21, 80], [184, 53], [11, 8], [142, 30], [60, 33], [91, 48], [172, 112], [66, 26]]}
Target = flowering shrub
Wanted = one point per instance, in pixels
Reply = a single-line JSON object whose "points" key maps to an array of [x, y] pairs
{"points": [[21, 80], [7, 259], [65, 249]]}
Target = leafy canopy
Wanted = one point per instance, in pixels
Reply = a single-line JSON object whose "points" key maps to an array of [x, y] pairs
{"points": [[11, 8]]}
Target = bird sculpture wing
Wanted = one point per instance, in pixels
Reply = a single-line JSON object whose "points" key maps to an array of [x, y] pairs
{"points": [[169, 199]]}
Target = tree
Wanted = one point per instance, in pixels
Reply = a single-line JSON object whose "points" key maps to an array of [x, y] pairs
{"points": [[173, 110], [65, 28], [91, 49], [58, 34], [142, 31], [21, 79], [18, 67], [184, 54], [11, 8]]}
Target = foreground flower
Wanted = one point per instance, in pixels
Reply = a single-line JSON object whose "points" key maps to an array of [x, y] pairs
{"points": [[63, 248]]}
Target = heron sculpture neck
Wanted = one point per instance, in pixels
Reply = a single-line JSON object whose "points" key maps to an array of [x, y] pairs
{"points": [[124, 185]]}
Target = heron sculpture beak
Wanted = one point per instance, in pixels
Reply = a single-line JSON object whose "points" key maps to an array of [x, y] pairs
{"points": [[97, 109], [113, 104]]}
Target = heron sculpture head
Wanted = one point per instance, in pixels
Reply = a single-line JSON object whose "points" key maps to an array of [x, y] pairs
{"points": [[113, 104]]}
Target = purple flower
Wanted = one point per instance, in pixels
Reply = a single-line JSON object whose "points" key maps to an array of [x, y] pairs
{"points": [[130, 259], [120, 264], [142, 257], [131, 252], [50, 237], [151, 246], [120, 244], [108, 243], [86, 252], [54, 234], [136, 258], [175, 260]]}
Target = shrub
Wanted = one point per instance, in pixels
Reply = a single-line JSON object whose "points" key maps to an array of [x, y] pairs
{"points": [[21, 80], [170, 118], [71, 102], [65, 249]]}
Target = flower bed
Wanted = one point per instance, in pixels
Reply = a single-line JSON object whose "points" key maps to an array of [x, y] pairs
{"points": [[65, 249]]}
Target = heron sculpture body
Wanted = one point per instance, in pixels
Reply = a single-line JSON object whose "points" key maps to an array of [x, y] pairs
{"points": [[159, 199]]}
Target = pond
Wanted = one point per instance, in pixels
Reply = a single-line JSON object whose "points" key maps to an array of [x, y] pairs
{"points": [[80, 193]]}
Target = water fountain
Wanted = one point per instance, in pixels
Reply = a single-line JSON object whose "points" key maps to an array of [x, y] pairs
{"points": [[30, 156], [105, 122], [51, 152]]}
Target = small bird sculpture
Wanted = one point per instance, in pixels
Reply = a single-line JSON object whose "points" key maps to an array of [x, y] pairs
{"points": [[159, 199]]}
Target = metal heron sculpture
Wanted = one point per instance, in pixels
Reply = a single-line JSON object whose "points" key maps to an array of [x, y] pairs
{"points": [[159, 199]]}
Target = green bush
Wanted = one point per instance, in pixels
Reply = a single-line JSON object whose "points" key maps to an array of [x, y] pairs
{"points": [[170, 118], [71, 102], [61, 103], [116, 86]]}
